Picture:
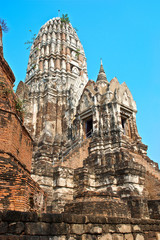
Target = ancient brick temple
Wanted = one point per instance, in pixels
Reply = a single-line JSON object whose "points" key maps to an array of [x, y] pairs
{"points": [[87, 154], [18, 191], [86, 145]]}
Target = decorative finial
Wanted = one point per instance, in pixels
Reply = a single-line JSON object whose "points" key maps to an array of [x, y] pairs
{"points": [[58, 13], [101, 75]]}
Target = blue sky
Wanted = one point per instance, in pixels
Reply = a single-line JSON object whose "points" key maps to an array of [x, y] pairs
{"points": [[124, 33]]}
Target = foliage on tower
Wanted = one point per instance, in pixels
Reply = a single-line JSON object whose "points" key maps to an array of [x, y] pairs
{"points": [[3, 25], [65, 18], [30, 42]]}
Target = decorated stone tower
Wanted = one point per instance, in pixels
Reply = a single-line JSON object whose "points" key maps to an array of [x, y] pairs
{"points": [[86, 143], [56, 76]]}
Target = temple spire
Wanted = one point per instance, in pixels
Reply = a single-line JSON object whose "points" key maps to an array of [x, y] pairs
{"points": [[101, 75]]}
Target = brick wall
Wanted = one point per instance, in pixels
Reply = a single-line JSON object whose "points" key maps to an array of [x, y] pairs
{"points": [[18, 191], [29, 226], [152, 184], [15, 139]]}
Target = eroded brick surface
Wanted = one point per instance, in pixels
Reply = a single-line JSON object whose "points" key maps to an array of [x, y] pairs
{"points": [[25, 226], [18, 191]]}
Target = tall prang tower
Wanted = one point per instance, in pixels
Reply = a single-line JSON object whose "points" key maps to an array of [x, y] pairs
{"points": [[86, 144], [56, 76]]}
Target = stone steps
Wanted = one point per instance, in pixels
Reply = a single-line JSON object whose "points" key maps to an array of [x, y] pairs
{"points": [[75, 158]]}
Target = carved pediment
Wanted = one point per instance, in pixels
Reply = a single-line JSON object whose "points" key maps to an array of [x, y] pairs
{"points": [[124, 96], [86, 102]]}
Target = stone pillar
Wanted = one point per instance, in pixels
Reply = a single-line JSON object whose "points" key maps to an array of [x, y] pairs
{"points": [[47, 50], [58, 48], [67, 38], [68, 51], [53, 35], [64, 64], [63, 49], [54, 26], [81, 129], [38, 50], [68, 67], [63, 36], [59, 115], [51, 64], [52, 47], [44, 38], [80, 57], [45, 65], [48, 37], [58, 36], [95, 118], [57, 65], [42, 51], [59, 26], [81, 73], [41, 66]]}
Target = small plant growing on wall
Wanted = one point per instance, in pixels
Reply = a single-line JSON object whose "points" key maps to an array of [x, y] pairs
{"points": [[77, 52], [31, 41], [7, 91], [19, 107], [65, 18]]}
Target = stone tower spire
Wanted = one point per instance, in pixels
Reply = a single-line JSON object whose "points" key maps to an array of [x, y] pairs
{"points": [[55, 79], [57, 56], [101, 75]]}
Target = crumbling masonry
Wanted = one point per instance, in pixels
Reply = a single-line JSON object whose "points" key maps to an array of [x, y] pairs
{"points": [[87, 154]]}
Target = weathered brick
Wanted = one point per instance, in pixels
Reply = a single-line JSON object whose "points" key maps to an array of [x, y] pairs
{"points": [[38, 228], [29, 217], [107, 236], [59, 228], [128, 236], [3, 227], [16, 227], [77, 229], [12, 216], [88, 237], [73, 218], [124, 228], [139, 237], [117, 236], [95, 219], [16, 185]]}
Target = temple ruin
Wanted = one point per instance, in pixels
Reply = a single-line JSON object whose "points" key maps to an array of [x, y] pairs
{"points": [[89, 163]]}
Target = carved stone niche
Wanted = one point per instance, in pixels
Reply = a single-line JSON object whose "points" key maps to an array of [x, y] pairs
{"points": [[125, 121], [75, 70], [125, 98]]}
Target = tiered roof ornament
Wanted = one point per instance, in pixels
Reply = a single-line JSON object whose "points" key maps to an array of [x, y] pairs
{"points": [[101, 75]]}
